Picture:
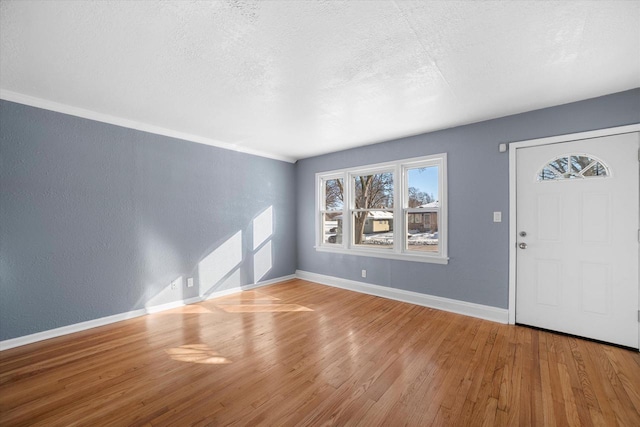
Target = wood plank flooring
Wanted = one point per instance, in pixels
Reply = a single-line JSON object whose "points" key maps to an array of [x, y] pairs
{"points": [[299, 353]]}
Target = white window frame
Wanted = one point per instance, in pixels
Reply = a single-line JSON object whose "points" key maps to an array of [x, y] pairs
{"points": [[400, 210], [351, 208], [321, 209]]}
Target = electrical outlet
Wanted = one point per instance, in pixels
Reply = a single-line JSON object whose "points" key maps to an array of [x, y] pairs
{"points": [[364, 273], [176, 283], [497, 217]]}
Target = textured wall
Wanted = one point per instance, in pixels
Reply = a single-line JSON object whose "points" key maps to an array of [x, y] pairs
{"points": [[478, 186], [97, 219]]}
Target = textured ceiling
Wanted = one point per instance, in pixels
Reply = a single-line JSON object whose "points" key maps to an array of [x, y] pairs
{"points": [[293, 79]]}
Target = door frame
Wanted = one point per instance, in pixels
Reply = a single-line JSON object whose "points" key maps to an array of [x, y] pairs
{"points": [[513, 147]]}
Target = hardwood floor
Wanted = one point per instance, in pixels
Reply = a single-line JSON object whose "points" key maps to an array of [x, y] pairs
{"points": [[299, 353]]}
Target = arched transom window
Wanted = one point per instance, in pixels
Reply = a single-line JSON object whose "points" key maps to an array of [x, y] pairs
{"points": [[573, 166]]}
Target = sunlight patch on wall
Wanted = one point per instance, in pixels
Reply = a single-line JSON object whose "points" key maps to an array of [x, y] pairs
{"points": [[262, 262], [219, 263], [161, 266], [197, 353], [231, 282], [167, 293], [262, 227]]}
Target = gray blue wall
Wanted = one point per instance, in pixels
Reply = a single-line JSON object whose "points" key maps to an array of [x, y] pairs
{"points": [[97, 219], [478, 181]]}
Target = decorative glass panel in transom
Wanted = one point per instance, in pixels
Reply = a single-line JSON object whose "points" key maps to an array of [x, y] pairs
{"points": [[573, 166]]}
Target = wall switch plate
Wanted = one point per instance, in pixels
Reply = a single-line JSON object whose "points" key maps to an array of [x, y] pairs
{"points": [[364, 273], [189, 282], [502, 148], [497, 217]]}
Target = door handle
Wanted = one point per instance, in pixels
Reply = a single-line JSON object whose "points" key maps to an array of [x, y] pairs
{"points": [[522, 245]]}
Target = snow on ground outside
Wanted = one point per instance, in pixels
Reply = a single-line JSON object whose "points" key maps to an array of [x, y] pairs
{"points": [[414, 239]]}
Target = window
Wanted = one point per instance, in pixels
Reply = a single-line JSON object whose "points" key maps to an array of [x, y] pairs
{"points": [[332, 209], [393, 210], [424, 207], [372, 215], [573, 166]]}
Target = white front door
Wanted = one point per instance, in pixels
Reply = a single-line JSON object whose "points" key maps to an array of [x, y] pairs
{"points": [[577, 224]]}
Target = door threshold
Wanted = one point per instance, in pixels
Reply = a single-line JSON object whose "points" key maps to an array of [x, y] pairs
{"points": [[624, 347]]}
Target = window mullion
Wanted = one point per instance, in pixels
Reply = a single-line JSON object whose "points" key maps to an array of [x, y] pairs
{"points": [[398, 203]]}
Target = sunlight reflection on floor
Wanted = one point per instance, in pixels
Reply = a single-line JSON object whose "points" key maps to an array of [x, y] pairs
{"points": [[195, 308], [262, 308], [197, 353], [255, 302], [245, 296]]}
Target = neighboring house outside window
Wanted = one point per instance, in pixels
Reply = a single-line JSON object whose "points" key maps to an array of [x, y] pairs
{"points": [[427, 221]]}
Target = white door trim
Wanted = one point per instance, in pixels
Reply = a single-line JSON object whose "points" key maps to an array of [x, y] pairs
{"points": [[513, 147]]}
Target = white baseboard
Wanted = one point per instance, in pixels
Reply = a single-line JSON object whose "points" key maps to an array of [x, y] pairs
{"points": [[455, 306], [94, 323], [170, 305], [70, 329], [486, 312]]}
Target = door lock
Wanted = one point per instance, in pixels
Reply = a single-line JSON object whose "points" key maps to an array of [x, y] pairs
{"points": [[523, 233]]}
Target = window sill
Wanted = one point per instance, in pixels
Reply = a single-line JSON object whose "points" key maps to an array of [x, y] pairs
{"points": [[388, 255]]}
